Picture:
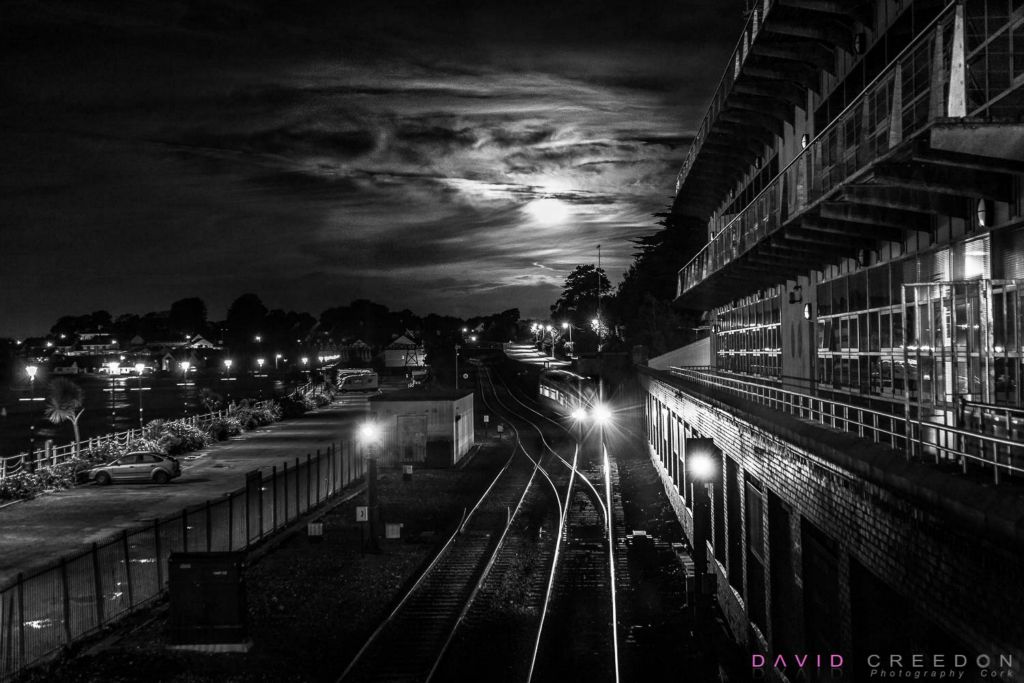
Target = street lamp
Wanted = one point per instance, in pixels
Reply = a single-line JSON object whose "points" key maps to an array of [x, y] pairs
{"points": [[567, 326], [185, 365], [277, 357], [457, 347], [31, 371], [113, 367], [259, 362], [139, 368], [369, 438], [227, 365], [702, 468]]}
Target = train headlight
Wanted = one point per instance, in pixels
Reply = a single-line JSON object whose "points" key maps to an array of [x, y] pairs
{"points": [[579, 414], [602, 415]]}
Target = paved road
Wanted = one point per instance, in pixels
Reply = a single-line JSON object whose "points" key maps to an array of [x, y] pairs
{"points": [[36, 532]]}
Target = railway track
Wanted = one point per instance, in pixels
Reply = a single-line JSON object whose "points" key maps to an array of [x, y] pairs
{"points": [[523, 590]]}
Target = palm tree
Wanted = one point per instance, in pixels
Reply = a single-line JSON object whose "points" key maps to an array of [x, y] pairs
{"points": [[64, 404]]}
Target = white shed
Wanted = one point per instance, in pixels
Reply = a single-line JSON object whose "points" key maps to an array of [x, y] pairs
{"points": [[433, 427]]}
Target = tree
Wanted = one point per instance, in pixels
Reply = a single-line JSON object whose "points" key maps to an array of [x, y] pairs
{"points": [[64, 404], [579, 300], [246, 317], [188, 316]]}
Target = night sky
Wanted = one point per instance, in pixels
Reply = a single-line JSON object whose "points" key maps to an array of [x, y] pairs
{"points": [[448, 157]]}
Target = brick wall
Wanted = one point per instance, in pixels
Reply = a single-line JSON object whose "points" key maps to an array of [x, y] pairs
{"points": [[967, 585]]}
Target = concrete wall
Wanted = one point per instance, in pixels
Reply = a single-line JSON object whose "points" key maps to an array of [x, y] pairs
{"points": [[851, 565], [696, 354], [405, 442]]}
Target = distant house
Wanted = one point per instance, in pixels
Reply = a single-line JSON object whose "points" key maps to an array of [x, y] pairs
{"points": [[72, 369], [357, 350], [404, 352], [89, 343]]}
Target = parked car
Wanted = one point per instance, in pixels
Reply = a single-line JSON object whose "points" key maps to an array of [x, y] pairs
{"points": [[139, 466]]}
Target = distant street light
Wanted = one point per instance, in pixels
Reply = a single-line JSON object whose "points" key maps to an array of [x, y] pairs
{"points": [[113, 367], [139, 368], [550, 330], [31, 371], [457, 347], [227, 365], [567, 326], [370, 439], [259, 362], [277, 357]]}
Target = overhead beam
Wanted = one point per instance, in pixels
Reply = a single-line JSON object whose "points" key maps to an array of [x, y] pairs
{"points": [[819, 57], [879, 233], [907, 199], [873, 215], [953, 181]]}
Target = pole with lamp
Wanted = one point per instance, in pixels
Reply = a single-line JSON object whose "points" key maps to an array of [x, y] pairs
{"points": [[551, 331], [139, 369], [700, 462], [31, 371], [457, 347], [277, 358], [114, 367], [227, 366], [370, 438], [567, 326], [185, 365]]}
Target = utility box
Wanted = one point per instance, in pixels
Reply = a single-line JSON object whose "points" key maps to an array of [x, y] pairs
{"points": [[207, 592]]}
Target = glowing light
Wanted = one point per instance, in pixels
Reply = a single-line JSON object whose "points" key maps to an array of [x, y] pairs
{"points": [[228, 362], [140, 367], [579, 414], [185, 365], [368, 431], [548, 210], [602, 415], [701, 467], [31, 371]]}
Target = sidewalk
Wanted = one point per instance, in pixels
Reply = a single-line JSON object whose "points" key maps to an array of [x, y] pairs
{"points": [[37, 532]]}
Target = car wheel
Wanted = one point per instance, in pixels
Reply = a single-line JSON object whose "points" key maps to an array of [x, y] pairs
{"points": [[102, 478], [161, 477]]}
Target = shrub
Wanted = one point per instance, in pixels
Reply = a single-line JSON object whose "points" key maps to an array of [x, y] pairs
{"points": [[224, 428], [292, 407], [181, 437], [22, 485]]}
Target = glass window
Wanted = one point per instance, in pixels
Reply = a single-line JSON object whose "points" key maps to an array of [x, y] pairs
{"points": [[825, 299], [896, 283], [884, 336], [840, 304], [844, 333], [878, 287], [862, 326], [858, 286]]}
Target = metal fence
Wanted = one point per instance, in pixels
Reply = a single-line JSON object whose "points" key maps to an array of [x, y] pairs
{"points": [[913, 431], [52, 455], [50, 609]]}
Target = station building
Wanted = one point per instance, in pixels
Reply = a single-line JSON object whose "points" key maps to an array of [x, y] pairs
{"points": [[859, 175]]}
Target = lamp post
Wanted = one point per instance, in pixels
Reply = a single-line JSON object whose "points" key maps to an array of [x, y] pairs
{"points": [[277, 357], [259, 362], [457, 347], [550, 330], [369, 438], [113, 367], [567, 326], [185, 365], [701, 465], [139, 368], [31, 371], [227, 366]]}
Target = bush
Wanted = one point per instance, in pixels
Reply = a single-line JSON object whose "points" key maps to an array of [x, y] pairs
{"points": [[293, 406], [224, 428], [181, 437], [22, 485]]}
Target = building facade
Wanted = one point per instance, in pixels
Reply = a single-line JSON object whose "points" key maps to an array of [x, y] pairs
{"points": [[860, 178]]}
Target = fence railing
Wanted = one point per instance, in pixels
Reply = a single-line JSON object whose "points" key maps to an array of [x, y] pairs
{"points": [[914, 434], [50, 455], [900, 103], [52, 608]]}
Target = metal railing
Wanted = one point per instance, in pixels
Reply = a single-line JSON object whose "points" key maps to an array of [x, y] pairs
{"points": [[75, 596], [54, 455], [900, 103], [912, 434], [739, 55]]}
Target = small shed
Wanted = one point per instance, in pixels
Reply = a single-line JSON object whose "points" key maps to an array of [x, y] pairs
{"points": [[428, 426]]}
